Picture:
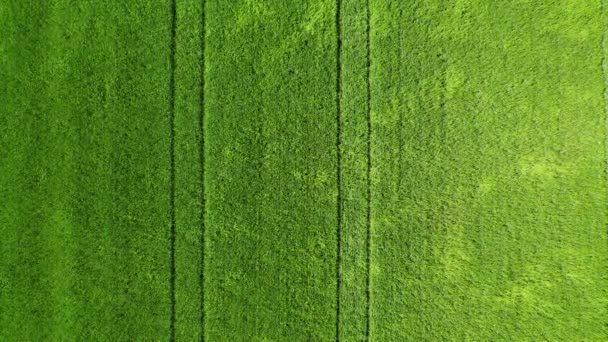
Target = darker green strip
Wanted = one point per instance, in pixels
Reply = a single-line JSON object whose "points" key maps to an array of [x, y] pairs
{"points": [[339, 166], [189, 173], [202, 172], [368, 241], [172, 147]]}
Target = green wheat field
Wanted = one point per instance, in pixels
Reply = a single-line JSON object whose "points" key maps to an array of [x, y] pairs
{"points": [[303, 170]]}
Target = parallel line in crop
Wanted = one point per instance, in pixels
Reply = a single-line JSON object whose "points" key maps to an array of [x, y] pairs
{"points": [[339, 165], [202, 168], [172, 163], [369, 171], [605, 71]]}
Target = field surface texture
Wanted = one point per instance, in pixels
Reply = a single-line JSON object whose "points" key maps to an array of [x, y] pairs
{"points": [[311, 170]]}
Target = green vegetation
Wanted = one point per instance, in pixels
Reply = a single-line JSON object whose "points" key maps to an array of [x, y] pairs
{"points": [[489, 189], [303, 170], [188, 170], [84, 171], [270, 170], [354, 167]]}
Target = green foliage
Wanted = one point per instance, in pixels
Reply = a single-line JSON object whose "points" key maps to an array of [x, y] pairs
{"points": [[239, 138], [270, 171], [84, 177], [489, 195], [354, 144], [189, 175]]}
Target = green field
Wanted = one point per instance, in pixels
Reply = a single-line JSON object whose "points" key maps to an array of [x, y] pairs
{"points": [[313, 170]]}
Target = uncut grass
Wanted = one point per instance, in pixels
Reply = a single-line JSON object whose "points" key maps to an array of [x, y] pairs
{"points": [[85, 170], [489, 190], [488, 155], [270, 152]]}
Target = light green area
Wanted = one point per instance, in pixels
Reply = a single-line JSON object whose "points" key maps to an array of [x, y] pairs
{"points": [[489, 190]]}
